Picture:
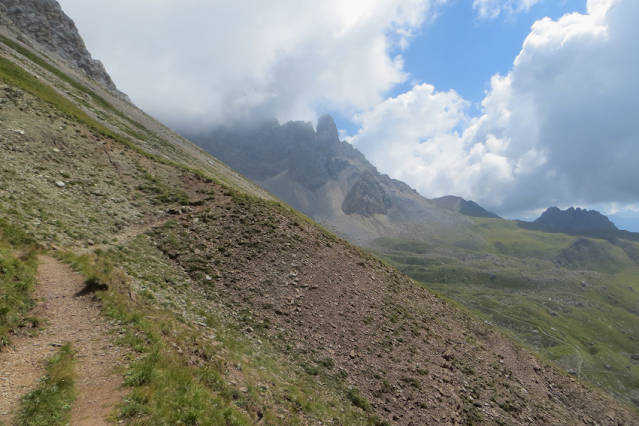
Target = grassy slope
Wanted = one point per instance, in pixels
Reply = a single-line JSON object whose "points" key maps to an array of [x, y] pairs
{"points": [[197, 362], [17, 282], [193, 365], [582, 316]]}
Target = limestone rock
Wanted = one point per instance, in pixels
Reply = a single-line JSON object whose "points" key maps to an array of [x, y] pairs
{"points": [[367, 197], [311, 158]]}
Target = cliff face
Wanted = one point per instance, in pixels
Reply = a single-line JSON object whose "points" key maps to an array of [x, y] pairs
{"points": [[367, 197], [574, 219], [265, 149], [46, 23]]}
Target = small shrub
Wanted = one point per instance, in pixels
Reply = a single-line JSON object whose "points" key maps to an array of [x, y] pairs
{"points": [[358, 400]]}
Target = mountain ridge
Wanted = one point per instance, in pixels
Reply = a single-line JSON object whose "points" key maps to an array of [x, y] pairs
{"points": [[468, 208], [573, 219]]}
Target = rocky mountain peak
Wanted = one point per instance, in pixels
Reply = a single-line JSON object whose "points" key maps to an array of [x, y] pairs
{"points": [[44, 22], [326, 128], [299, 130], [574, 219]]}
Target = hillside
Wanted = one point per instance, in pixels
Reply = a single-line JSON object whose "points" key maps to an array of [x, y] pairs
{"points": [[569, 297], [222, 305], [540, 287]]}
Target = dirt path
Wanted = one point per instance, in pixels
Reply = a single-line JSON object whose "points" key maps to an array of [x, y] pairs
{"points": [[136, 230], [71, 317]]}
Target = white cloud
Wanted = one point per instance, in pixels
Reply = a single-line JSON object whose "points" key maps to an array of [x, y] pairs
{"points": [[490, 9], [559, 129], [198, 61]]}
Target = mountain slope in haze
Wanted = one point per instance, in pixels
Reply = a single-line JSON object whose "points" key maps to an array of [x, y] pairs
{"points": [[236, 309], [574, 220], [326, 179], [459, 205]]}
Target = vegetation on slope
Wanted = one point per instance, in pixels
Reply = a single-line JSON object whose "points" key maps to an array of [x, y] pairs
{"points": [[16, 282], [572, 299], [192, 363]]}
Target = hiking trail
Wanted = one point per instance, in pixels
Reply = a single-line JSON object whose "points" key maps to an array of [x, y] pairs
{"points": [[71, 316]]}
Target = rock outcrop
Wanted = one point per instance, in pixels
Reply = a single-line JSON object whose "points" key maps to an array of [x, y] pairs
{"points": [[367, 197], [574, 220], [46, 23], [265, 149]]}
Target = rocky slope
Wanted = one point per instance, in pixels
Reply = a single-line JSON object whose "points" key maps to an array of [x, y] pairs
{"points": [[574, 220], [237, 309], [44, 23], [326, 179]]}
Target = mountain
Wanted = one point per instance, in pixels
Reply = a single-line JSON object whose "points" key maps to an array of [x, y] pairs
{"points": [[459, 205], [574, 220], [326, 179], [208, 302], [44, 24]]}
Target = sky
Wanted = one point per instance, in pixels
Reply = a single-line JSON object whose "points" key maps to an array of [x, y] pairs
{"points": [[517, 105]]}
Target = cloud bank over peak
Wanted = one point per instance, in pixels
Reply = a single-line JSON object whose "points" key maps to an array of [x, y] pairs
{"points": [[214, 60], [558, 129]]}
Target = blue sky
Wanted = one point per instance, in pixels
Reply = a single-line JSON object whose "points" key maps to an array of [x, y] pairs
{"points": [[458, 50], [462, 51]]}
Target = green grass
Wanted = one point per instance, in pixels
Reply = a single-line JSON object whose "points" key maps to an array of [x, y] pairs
{"points": [[50, 403], [572, 299], [14, 75], [17, 281], [99, 100], [165, 387]]}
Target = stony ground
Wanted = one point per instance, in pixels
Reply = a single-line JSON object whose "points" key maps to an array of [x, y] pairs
{"points": [[71, 316], [416, 358]]}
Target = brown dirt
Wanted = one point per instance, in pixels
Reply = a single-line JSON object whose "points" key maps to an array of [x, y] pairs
{"points": [[417, 359], [72, 317]]}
